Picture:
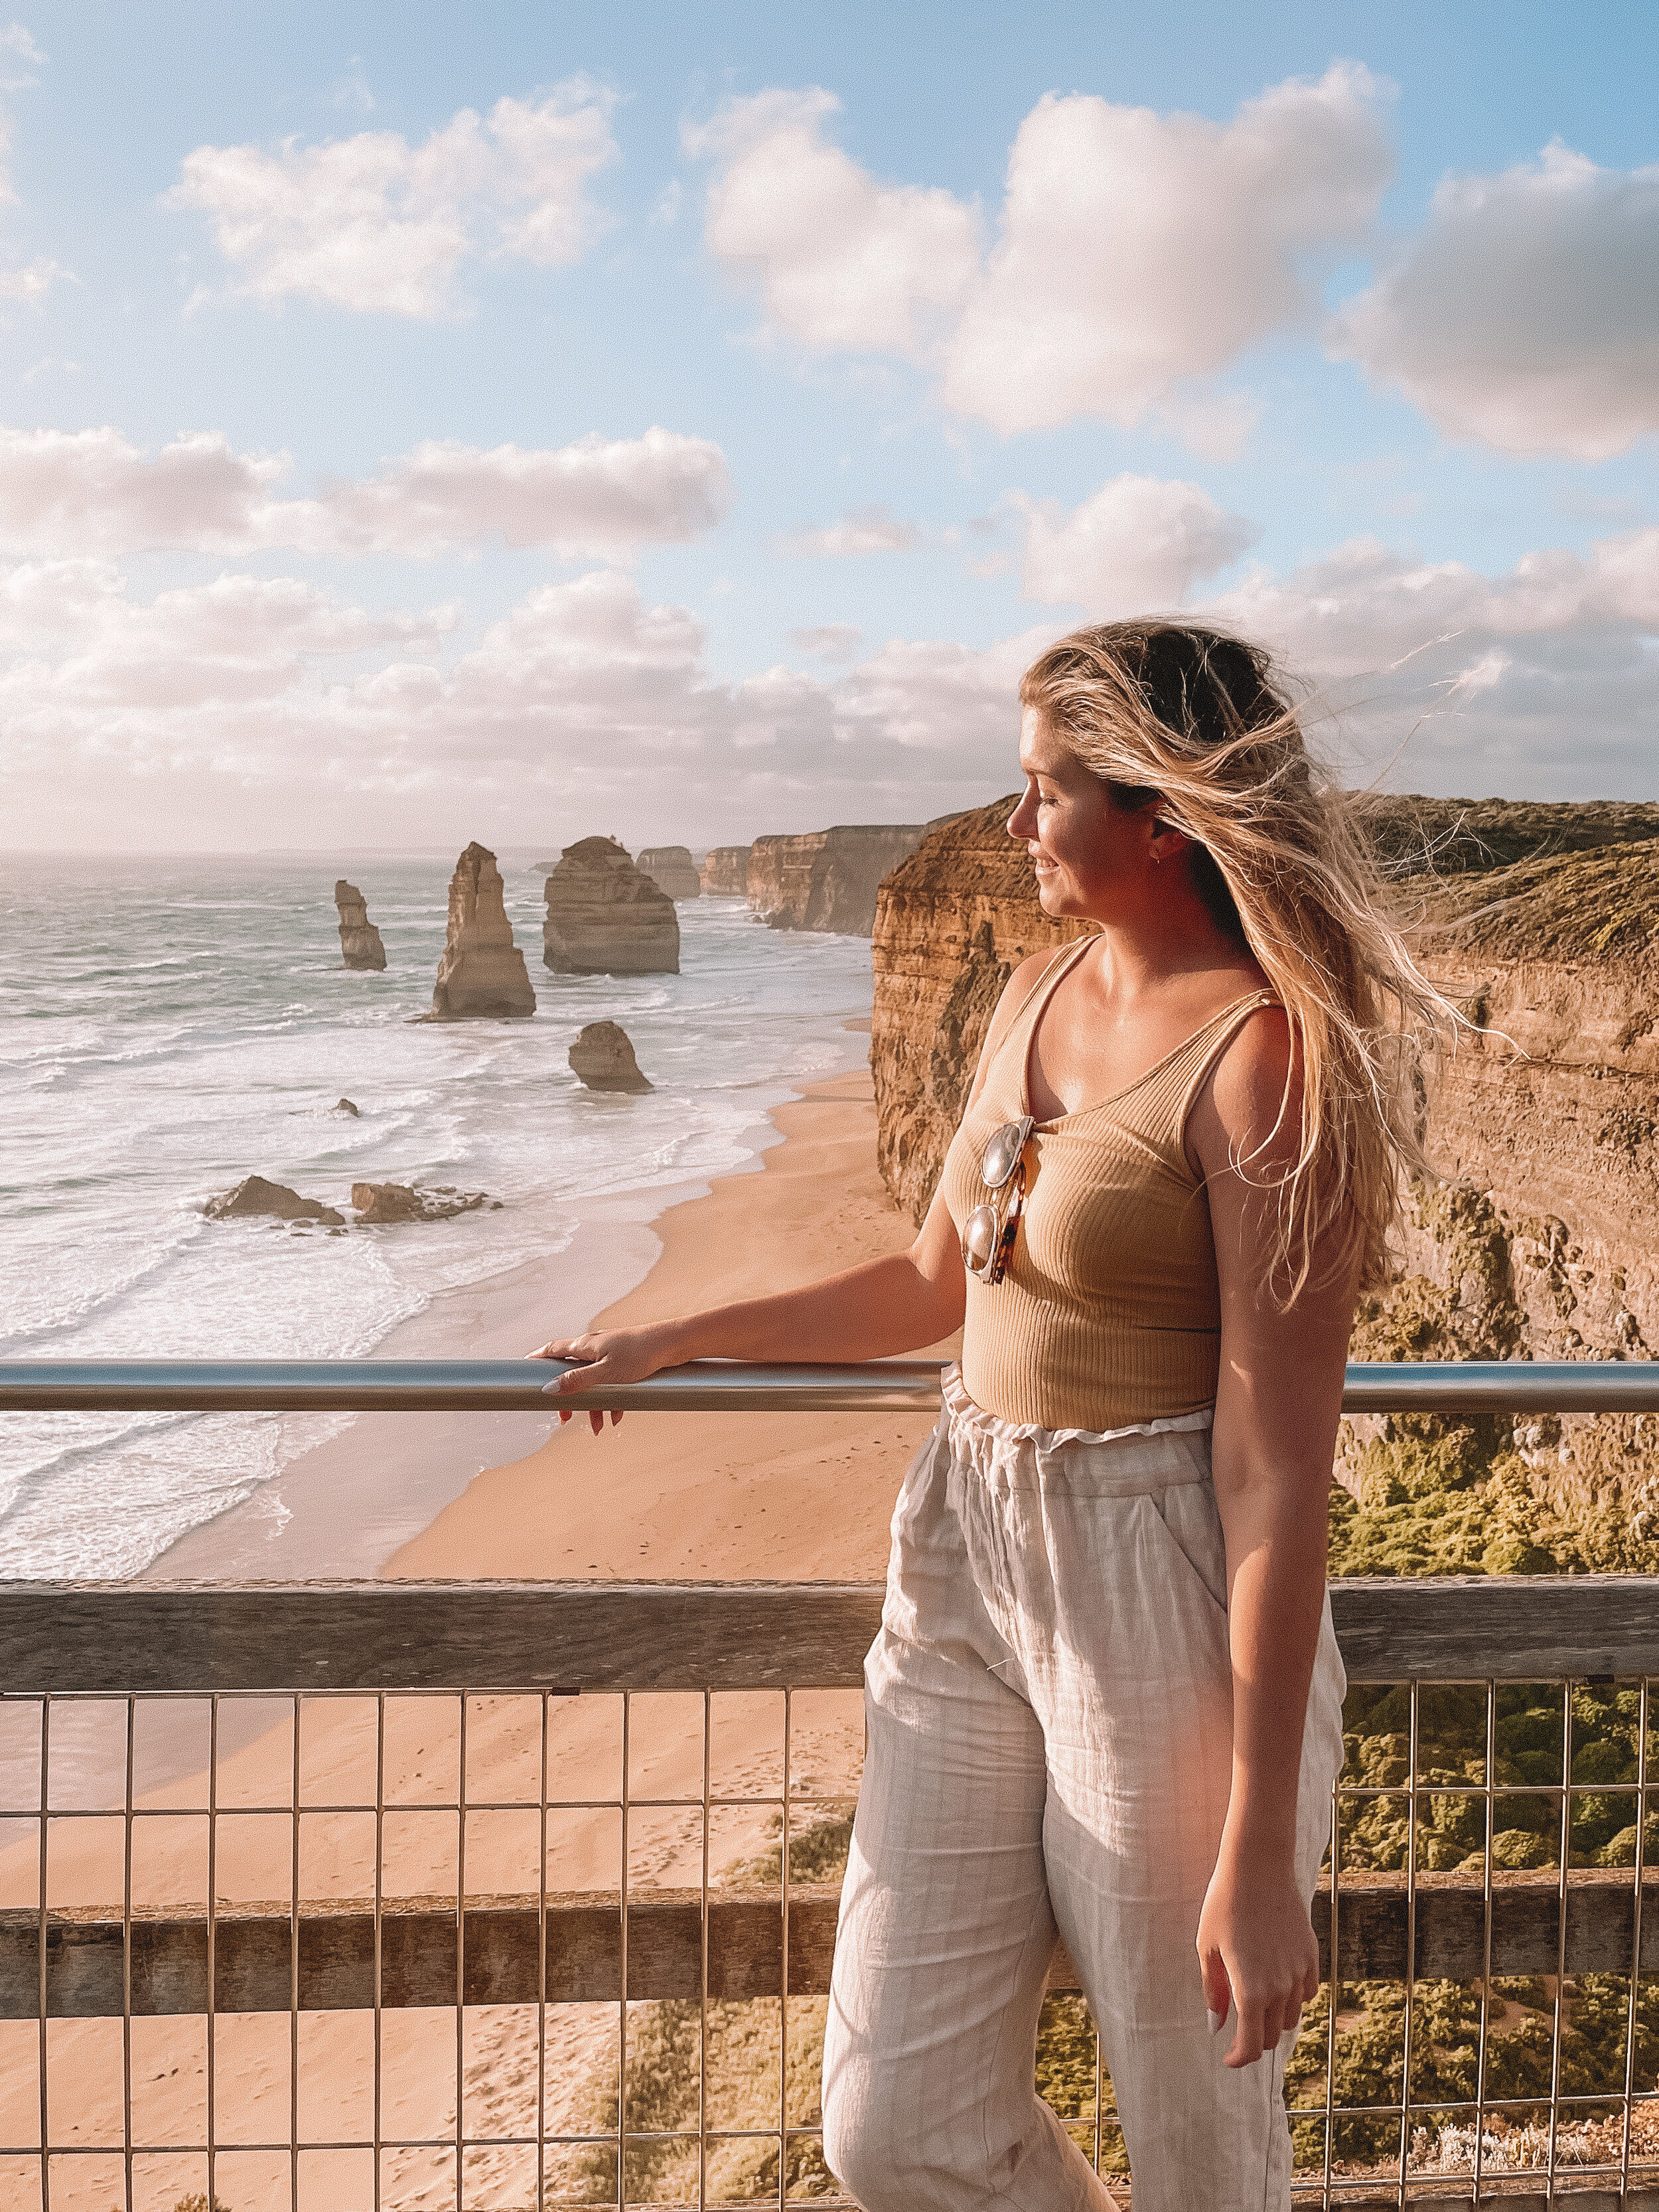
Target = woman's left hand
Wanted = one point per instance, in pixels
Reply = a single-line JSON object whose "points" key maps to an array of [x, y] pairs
{"points": [[1258, 1953]]}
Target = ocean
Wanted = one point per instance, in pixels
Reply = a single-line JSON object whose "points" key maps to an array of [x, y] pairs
{"points": [[171, 1025]]}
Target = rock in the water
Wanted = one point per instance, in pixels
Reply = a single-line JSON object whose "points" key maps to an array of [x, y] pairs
{"points": [[359, 941], [672, 869], [254, 1198], [602, 1056], [604, 917], [726, 871], [345, 1106], [381, 1202], [482, 974], [827, 878]]}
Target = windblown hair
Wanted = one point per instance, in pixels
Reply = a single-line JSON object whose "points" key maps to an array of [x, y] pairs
{"points": [[1199, 724]]}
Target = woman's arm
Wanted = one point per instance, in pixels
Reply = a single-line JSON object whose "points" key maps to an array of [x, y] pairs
{"points": [[1278, 1403], [885, 1306]]}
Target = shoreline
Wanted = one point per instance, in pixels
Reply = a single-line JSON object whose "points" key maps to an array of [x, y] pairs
{"points": [[346, 1505]]}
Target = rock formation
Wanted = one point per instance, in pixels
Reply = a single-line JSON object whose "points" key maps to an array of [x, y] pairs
{"points": [[482, 973], [378, 1203], [254, 1198], [826, 879], [359, 941], [604, 917], [1542, 1240], [346, 1106], [726, 871], [672, 869], [602, 1056]]}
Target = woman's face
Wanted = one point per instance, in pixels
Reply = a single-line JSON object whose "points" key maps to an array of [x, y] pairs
{"points": [[1083, 849]]}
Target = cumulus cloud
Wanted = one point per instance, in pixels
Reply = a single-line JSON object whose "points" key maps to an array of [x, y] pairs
{"points": [[373, 223], [241, 708], [1136, 546], [1526, 313], [1139, 254], [92, 491], [843, 261], [1538, 681], [860, 530]]}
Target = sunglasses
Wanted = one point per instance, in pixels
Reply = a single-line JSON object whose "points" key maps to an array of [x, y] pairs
{"points": [[988, 1233]]}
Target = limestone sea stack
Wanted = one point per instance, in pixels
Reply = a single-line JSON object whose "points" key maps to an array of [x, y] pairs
{"points": [[726, 871], [602, 1056], [359, 941], [672, 869], [827, 879], [604, 917], [481, 974]]}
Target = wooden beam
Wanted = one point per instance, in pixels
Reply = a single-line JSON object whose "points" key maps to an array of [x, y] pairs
{"points": [[154, 1637], [253, 1959], [149, 1638]]}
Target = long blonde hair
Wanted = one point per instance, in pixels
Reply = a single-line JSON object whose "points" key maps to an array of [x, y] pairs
{"points": [[1200, 724]]}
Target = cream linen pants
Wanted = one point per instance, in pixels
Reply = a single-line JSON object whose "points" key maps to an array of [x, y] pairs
{"points": [[1049, 1712]]}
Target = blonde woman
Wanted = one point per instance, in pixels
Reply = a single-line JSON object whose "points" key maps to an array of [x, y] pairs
{"points": [[1106, 1700]]}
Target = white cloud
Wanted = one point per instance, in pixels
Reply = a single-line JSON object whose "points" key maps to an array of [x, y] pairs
{"points": [[860, 530], [92, 491], [1536, 682], [1526, 314], [843, 261], [829, 641], [373, 223], [28, 287], [1138, 253], [1140, 250], [1136, 546], [255, 713]]}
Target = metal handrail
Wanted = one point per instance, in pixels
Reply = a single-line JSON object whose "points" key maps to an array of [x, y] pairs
{"points": [[722, 1386]]}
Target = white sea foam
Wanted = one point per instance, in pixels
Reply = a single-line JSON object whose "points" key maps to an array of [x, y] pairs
{"points": [[178, 1025]]}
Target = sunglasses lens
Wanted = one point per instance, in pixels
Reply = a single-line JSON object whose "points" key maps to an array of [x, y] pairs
{"points": [[979, 1237], [1002, 1152]]}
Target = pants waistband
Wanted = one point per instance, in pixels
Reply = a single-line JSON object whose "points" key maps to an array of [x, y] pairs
{"points": [[1127, 1462]]}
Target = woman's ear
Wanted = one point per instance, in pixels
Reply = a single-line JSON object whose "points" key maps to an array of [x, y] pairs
{"points": [[1164, 841]]}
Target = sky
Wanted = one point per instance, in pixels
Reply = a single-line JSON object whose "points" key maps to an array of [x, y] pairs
{"points": [[516, 423]]}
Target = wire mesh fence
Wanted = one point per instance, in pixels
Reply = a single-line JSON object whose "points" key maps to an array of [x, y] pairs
{"points": [[505, 1949]]}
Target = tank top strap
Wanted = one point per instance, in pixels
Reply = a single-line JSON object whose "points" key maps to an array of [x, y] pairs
{"points": [[1028, 1012], [1169, 1099]]}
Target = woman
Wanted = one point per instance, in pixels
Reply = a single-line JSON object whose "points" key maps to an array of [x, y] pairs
{"points": [[1106, 1700]]}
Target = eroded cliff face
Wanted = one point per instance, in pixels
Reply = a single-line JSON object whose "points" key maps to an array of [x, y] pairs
{"points": [[726, 871], [952, 922], [826, 879], [672, 870], [1541, 1242]]}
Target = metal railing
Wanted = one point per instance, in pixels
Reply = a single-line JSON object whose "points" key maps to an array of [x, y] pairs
{"points": [[722, 1386], [499, 1895]]}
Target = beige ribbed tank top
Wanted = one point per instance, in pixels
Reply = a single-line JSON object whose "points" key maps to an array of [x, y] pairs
{"points": [[1109, 1312]]}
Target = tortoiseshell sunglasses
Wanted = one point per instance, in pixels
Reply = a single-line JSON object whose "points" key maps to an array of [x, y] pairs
{"points": [[988, 1233]]}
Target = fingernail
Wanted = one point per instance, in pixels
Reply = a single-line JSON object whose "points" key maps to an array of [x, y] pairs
{"points": [[1217, 2020]]}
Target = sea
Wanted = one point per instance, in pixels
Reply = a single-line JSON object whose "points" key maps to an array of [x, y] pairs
{"points": [[169, 1026]]}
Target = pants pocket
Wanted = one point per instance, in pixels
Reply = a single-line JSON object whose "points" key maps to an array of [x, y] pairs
{"points": [[1188, 1515]]}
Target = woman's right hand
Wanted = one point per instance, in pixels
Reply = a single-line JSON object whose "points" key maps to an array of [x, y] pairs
{"points": [[606, 1356]]}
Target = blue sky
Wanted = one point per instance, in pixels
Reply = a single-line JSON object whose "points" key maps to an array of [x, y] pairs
{"points": [[1339, 324]]}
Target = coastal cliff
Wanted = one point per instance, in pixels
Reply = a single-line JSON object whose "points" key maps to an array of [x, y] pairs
{"points": [[672, 870], [726, 871], [1541, 1239], [826, 879]]}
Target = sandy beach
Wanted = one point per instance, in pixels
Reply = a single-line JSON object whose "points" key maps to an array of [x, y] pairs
{"points": [[772, 1497]]}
